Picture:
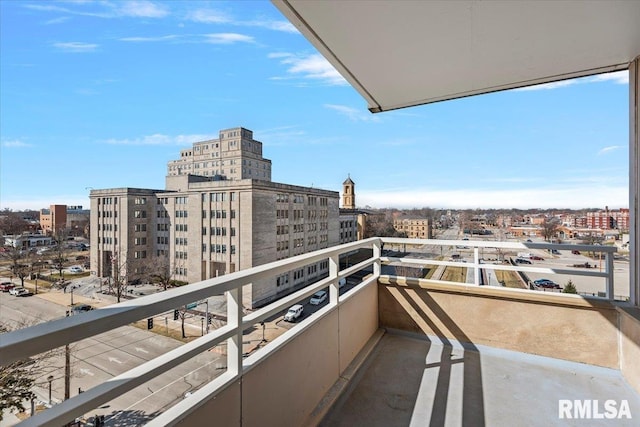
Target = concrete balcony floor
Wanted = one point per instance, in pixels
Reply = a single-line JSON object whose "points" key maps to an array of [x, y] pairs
{"points": [[418, 381]]}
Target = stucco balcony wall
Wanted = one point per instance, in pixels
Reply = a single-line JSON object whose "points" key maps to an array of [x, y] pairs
{"points": [[630, 345], [284, 387], [560, 326]]}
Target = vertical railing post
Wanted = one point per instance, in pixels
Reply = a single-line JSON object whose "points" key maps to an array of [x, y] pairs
{"points": [[334, 267], [634, 181], [476, 266], [377, 251], [234, 318], [608, 259]]}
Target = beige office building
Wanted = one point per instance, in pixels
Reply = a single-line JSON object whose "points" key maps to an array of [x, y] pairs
{"points": [[209, 226], [415, 228]]}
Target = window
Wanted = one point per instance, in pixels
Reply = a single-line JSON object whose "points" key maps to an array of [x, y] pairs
{"points": [[140, 254], [140, 201], [139, 227], [140, 241], [139, 214]]}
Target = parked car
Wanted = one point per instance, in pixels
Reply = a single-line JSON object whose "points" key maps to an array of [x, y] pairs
{"points": [[318, 298], [6, 286], [575, 252], [76, 269], [19, 292], [536, 258], [294, 313], [522, 261], [546, 283], [79, 308]]}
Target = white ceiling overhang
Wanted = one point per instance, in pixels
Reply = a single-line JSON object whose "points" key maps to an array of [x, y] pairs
{"points": [[404, 53]]}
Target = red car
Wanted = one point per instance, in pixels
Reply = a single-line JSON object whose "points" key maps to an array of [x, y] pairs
{"points": [[6, 286], [536, 258]]}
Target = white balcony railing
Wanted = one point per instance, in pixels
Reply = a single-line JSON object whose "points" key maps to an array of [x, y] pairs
{"points": [[21, 344]]}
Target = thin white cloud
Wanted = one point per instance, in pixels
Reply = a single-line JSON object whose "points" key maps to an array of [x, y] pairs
{"points": [[36, 204], [107, 10], [608, 149], [283, 26], [228, 38], [208, 16], [142, 8], [618, 77], [59, 20], [353, 114], [76, 47], [160, 139], [568, 197], [214, 16], [309, 67], [548, 86], [15, 143]]}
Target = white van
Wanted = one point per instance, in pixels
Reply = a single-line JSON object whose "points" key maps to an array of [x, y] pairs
{"points": [[526, 255], [293, 313]]}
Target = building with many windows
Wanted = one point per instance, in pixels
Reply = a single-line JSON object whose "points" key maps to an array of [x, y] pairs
{"points": [[234, 155], [206, 226], [414, 228]]}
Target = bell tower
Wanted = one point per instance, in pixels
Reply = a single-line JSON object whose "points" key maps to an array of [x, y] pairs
{"points": [[348, 194]]}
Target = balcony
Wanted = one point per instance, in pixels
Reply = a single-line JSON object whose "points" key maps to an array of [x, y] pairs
{"points": [[392, 350]]}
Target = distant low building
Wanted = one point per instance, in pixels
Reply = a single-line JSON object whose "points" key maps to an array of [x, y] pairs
{"points": [[28, 241], [414, 228]]}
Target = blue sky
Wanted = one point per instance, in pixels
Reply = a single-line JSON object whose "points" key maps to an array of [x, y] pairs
{"points": [[102, 94]]}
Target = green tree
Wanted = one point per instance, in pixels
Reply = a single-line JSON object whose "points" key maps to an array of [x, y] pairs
{"points": [[570, 288]]}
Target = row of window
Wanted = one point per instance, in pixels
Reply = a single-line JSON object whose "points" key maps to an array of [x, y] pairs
{"points": [[219, 231], [298, 275], [108, 227], [182, 241], [107, 200], [181, 255], [181, 271], [108, 214], [140, 241], [108, 240], [140, 201], [219, 249], [181, 227]]}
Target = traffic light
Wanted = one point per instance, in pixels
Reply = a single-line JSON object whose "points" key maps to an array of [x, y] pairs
{"points": [[150, 323], [209, 318], [175, 314]]}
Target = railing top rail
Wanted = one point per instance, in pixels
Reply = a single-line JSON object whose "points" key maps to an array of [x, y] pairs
{"points": [[497, 244], [30, 341]]}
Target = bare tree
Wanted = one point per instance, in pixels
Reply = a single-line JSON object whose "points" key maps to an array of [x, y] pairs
{"points": [[13, 222], [18, 262], [118, 280], [59, 257], [550, 227], [159, 270], [17, 379]]}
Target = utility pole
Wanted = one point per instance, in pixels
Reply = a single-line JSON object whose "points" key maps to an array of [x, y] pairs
{"points": [[207, 316], [67, 369]]}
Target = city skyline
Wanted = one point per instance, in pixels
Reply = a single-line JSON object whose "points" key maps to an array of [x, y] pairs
{"points": [[104, 95]]}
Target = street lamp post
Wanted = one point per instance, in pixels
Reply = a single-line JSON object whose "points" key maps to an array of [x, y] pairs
{"points": [[50, 379]]}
